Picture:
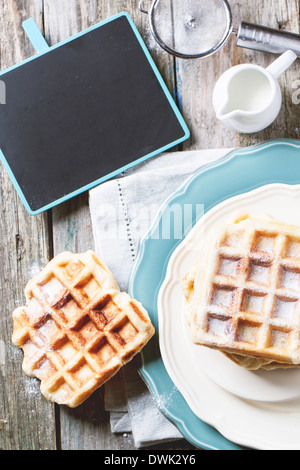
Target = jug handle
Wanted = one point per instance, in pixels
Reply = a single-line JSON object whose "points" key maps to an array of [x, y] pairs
{"points": [[282, 64], [141, 7]]}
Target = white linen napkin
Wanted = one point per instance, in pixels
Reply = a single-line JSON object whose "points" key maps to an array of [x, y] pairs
{"points": [[122, 210]]}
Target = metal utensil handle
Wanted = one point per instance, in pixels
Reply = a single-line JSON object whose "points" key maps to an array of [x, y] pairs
{"points": [[261, 38]]}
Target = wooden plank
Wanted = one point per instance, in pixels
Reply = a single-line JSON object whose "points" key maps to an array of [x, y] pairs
{"points": [[27, 420], [279, 14], [197, 78], [88, 426]]}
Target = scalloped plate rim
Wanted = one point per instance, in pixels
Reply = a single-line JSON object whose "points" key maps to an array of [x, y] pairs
{"points": [[234, 154]]}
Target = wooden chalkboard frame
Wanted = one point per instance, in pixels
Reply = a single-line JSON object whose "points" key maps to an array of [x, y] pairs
{"points": [[42, 48]]}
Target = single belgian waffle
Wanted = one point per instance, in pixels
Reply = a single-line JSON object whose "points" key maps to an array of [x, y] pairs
{"points": [[77, 329], [244, 294]]}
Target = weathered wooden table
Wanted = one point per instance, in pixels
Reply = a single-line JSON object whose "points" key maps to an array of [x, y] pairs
{"points": [[27, 420]]}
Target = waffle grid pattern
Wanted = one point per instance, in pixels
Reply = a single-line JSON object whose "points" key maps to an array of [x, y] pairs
{"points": [[75, 335], [253, 306]]}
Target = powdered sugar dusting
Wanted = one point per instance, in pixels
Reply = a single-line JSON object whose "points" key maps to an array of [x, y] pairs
{"points": [[259, 273], [165, 398], [290, 280], [34, 270]]}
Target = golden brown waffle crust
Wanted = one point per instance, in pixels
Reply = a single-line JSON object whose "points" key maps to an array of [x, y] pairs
{"points": [[77, 329], [270, 338]]}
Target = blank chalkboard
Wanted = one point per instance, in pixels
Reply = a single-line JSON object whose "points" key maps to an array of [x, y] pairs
{"points": [[82, 112]]}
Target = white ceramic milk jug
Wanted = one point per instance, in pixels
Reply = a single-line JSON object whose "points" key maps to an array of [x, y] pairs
{"points": [[247, 98]]}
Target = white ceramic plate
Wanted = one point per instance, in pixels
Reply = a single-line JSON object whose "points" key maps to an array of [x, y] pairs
{"points": [[255, 409], [261, 386]]}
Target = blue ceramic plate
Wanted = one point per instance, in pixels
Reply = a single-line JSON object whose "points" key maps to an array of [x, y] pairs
{"points": [[243, 170]]}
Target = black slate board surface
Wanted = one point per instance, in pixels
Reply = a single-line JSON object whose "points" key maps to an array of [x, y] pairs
{"points": [[82, 112]]}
